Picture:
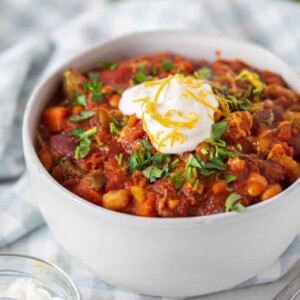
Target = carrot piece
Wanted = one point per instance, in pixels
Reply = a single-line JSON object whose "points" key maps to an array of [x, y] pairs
{"points": [[76, 110], [54, 118]]}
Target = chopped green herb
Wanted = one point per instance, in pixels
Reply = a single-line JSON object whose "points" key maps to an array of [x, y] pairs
{"points": [[229, 178], [153, 173], [85, 138], [80, 100], [83, 149], [109, 65], [135, 162], [167, 65], [114, 129], [144, 144], [218, 129], [231, 205], [88, 133], [95, 89], [62, 160], [77, 132], [203, 73], [179, 72], [216, 163], [141, 68], [119, 158], [139, 77], [93, 76], [84, 115]]}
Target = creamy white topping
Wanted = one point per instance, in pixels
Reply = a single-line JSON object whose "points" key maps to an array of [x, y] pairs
{"points": [[177, 111], [25, 289]]}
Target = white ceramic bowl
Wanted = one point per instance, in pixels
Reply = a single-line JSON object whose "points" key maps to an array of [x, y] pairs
{"points": [[165, 257]]}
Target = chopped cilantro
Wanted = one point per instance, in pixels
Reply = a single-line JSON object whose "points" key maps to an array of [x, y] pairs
{"points": [[77, 131], [144, 144], [109, 65], [139, 77], [95, 89], [153, 173], [80, 100], [93, 76], [203, 73], [167, 65], [229, 178], [85, 138], [62, 160], [84, 115], [231, 205], [218, 129]]}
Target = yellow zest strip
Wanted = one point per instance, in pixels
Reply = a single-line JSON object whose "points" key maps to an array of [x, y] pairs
{"points": [[174, 136], [201, 100], [251, 77]]}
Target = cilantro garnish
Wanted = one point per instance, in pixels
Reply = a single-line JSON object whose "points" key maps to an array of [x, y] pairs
{"points": [[94, 88], [82, 116], [139, 77], [167, 65], [231, 203], [93, 76], [229, 178], [77, 131], [109, 65], [218, 129], [153, 173], [203, 73], [80, 100], [85, 138]]}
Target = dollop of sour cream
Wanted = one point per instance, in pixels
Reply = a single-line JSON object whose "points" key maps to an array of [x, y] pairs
{"points": [[177, 111], [25, 289]]}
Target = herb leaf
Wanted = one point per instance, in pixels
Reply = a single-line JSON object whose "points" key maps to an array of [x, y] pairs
{"points": [[93, 76], [139, 77], [218, 129], [167, 65], [109, 65], [80, 100], [153, 173], [94, 88], [77, 131], [86, 137], [231, 205], [203, 73], [82, 116], [230, 178]]}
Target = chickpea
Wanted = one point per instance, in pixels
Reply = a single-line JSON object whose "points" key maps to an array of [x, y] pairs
{"points": [[256, 184], [173, 203], [114, 101], [271, 191], [138, 194], [117, 199]]}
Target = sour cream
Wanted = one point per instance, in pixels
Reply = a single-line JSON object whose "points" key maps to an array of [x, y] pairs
{"points": [[177, 111], [25, 289]]}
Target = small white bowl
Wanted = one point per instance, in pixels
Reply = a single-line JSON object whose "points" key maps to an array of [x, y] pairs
{"points": [[42, 274], [164, 257]]}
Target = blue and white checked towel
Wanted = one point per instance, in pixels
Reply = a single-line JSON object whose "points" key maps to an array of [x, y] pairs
{"points": [[35, 36]]}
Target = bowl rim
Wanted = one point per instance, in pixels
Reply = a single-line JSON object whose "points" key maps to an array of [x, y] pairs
{"points": [[50, 264], [133, 219]]}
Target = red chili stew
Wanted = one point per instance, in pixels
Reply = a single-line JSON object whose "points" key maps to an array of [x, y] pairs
{"points": [[105, 157]]}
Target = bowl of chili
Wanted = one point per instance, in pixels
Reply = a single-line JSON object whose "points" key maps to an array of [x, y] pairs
{"points": [[157, 223]]}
